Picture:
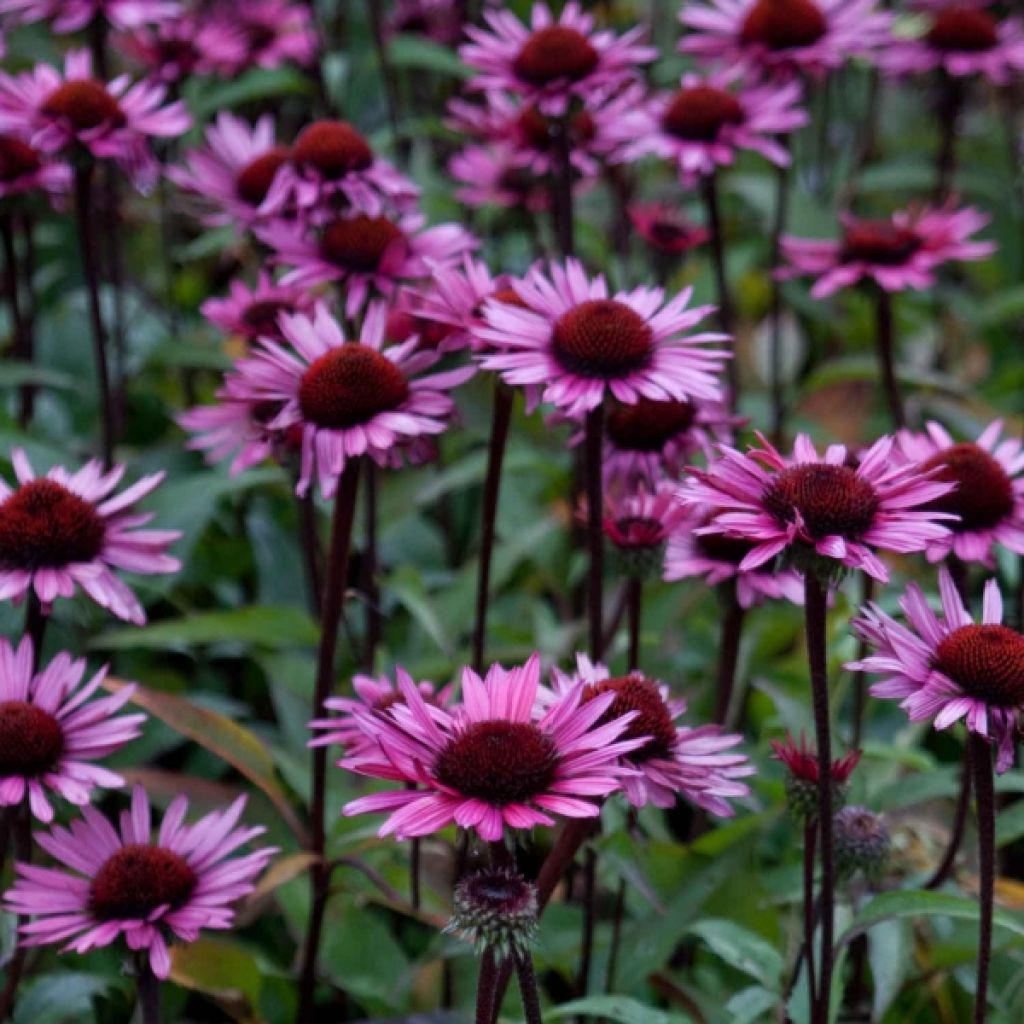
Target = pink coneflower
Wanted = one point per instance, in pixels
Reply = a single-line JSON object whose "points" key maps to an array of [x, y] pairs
{"points": [[177, 49], [672, 760], [276, 32], [121, 883], [717, 558], [899, 252], [639, 523], [788, 36], [802, 762], [494, 175], [948, 667], [406, 321], [51, 732], [349, 398], [988, 493], [331, 169], [73, 111], [551, 62], [64, 530], [494, 760], [581, 345], [367, 255], [73, 15], [962, 39], [438, 20], [377, 695], [809, 505], [234, 171], [24, 169], [252, 313], [704, 123], [665, 229]]}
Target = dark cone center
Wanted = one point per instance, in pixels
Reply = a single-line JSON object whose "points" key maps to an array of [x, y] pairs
{"points": [[334, 148], [554, 53], [653, 721], [963, 29], [880, 242], [17, 159], [137, 880], [648, 425], [85, 103], [699, 114], [602, 338], [983, 496], [44, 525], [986, 662], [31, 740], [350, 385], [831, 500], [784, 24], [260, 318], [359, 243], [254, 180]]}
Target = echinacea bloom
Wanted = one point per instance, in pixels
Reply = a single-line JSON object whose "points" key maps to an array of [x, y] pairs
{"points": [[552, 62], [808, 37], [962, 39], [639, 523], [405, 321], [813, 505], [332, 168], [179, 48], [708, 119], [494, 175], [672, 760], [438, 20], [666, 230], [988, 493], [66, 530], [51, 732], [376, 694], [64, 112], [252, 313], [234, 171], [493, 760], [897, 253], [122, 883], [717, 558], [947, 667], [349, 398], [73, 15], [24, 169], [802, 763], [276, 31], [367, 255], [581, 345]]}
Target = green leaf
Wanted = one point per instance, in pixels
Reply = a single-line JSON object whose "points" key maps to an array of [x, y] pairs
{"points": [[407, 51], [742, 949], [215, 732], [751, 1005], [257, 84], [14, 374], [889, 953], [621, 1009], [60, 998], [1010, 824], [222, 970], [256, 626], [406, 586]]}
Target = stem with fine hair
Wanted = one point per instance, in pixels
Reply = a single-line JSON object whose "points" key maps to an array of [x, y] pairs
{"points": [[956, 833], [634, 603], [709, 190], [310, 542], [951, 102], [527, 987], [562, 205], [733, 616], [501, 417], [87, 242], [22, 829], [887, 358], [981, 757], [810, 840], [595, 533], [369, 587], [148, 988], [333, 602], [486, 988], [782, 190], [589, 914], [815, 608]]}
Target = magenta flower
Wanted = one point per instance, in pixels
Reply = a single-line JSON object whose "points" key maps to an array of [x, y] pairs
{"points": [[24, 169], [812, 505], [349, 398], [962, 39], [802, 763], [64, 530], [947, 667], [365, 254], [788, 36], [234, 171], [276, 32], [716, 558], [74, 15], [672, 760], [65, 113], [121, 883], [898, 253], [988, 492], [179, 48], [405, 322], [438, 20], [581, 345], [331, 167], [376, 695], [642, 520], [51, 732], [664, 228], [704, 123], [494, 760], [252, 313], [551, 62], [494, 175]]}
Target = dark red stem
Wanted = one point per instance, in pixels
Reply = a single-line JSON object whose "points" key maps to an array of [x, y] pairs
{"points": [[775, 351], [887, 359], [981, 757], [733, 616], [709, 189], [810, 841], [595, 533], [634, 603], [956, 834]]}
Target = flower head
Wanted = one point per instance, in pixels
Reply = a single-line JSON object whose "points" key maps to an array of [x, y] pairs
{"points": [[671, 760], [122, 883], [819, 508], [784, 36], [552, 62], [495, 759], [25, 169], [74, 15], [897, 253], [639, 523], [988, 490], [802, 776], [348, 398], [51, 732], [438, 20], [276, 31], [66, 530], [947, 667], [64, 112], [496, 175], [581, 344], [862, 842], [665, 230], [252, 313], [179, 48]]}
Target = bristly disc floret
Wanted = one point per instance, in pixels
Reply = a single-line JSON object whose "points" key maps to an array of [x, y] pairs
{"points": [[496, 910]]}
